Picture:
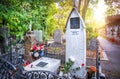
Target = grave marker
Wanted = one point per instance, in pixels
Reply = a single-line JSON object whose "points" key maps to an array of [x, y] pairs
{"points": [[57, 36], [93, 44], [38, 34], [76, 42], [29, 43]]}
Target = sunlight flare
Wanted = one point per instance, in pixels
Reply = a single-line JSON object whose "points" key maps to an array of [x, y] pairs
{"points": [[99, 12]]}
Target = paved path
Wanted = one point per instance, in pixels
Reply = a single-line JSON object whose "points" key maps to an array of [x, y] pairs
{"points": [[112, 66]]}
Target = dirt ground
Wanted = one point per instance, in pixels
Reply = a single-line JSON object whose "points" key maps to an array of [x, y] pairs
{"points": [[56, 50]]}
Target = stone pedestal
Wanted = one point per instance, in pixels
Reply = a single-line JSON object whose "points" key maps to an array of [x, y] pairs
{"points": [[30, 40]]}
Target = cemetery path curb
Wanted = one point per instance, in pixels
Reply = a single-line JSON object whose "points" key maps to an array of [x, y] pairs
{"points": [[104, 55], [105, 58]]}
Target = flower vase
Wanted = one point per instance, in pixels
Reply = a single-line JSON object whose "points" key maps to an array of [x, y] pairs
{"points": [[65, 75], [61, 73], [41, 53], [35, 54]]}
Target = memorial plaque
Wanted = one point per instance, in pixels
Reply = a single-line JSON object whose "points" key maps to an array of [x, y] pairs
{"points": [[75, 23], [42, 64]]}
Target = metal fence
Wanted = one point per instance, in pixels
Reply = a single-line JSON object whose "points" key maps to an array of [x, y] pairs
{"points": [[11, 68], [99, 74]]}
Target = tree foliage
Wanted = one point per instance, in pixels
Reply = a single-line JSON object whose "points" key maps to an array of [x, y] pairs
{"points": [[18, 14], [113, 6], [45, 15]]}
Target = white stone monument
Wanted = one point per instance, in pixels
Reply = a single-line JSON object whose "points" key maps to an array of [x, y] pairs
{"points": [[58, 36], [76, 42], [38, 34]]}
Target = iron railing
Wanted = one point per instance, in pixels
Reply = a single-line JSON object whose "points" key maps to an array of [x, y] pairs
{"points": [[41, 75], [99, 74], [6, 69], [12, 69]]}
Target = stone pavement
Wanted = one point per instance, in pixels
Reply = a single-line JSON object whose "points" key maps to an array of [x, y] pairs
{"points": [[111, 67]]}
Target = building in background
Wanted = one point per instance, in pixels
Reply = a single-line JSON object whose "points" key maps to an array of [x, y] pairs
{"points": [[112, 28]]}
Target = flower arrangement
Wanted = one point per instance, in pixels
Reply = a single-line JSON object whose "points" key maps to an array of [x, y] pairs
{"points": [[25, 63], [91, 70], [68, 70], [37, 50], [68, 67]]}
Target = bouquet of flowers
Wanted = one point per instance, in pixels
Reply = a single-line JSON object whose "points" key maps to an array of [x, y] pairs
{"points": [[37, 50]]}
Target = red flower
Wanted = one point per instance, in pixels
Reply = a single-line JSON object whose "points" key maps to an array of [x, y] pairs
{"points": [[83, 65], [25, 63], [34, 48], [42, 46], [38, 48]]}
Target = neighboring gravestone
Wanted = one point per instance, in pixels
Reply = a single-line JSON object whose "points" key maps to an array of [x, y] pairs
{"points": [[29, 43], [93, 44], [4, 39], [58, 36], [0, 51], [38, 34]]}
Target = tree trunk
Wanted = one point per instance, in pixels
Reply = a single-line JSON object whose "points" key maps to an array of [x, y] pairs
{"points": [[84, 10], [79, 6]]}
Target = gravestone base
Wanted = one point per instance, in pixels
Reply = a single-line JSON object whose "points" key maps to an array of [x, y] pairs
{"points": [[28, 58]]}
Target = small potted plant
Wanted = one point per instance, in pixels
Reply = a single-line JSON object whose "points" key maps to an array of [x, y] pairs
{"points": [[91, 70], [66, 68]]}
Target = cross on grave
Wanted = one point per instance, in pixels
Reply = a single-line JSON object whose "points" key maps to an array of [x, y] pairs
{"points": [[30, 26], [76, 42]]}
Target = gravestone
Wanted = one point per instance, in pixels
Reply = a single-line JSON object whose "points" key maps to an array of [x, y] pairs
{"points": [[4, 39], [29, 43], [57, 36], [0, 51], [38, 34], [76, 42], [93, 44]]}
